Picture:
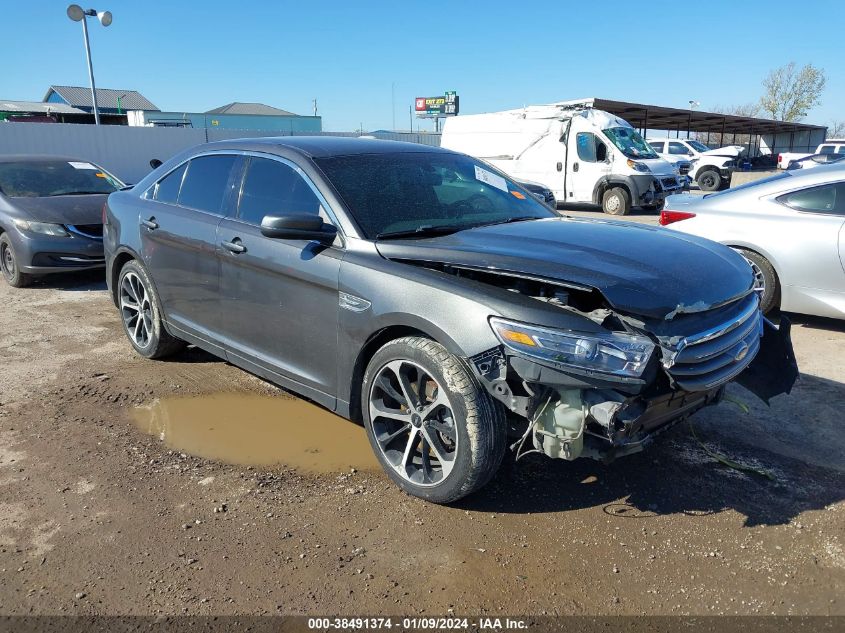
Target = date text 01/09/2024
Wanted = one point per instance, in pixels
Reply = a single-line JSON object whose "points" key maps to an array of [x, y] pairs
{"points": [[420, 623]]}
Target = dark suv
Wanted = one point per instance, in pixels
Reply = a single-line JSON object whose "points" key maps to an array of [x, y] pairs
{"points": [[426, 295]]}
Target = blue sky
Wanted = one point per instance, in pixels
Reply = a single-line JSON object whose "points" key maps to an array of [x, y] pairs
{"points": [[187, 56]]}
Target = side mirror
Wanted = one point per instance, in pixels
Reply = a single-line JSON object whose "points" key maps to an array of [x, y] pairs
{"points": [[298, 226], [155, 163]]}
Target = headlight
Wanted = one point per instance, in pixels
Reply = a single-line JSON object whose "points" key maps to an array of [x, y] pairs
{"points": [[44, 228], [610, 353], [637, 166]]}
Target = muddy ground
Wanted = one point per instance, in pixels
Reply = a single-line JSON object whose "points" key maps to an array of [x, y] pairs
{"points": [[99, 517]]}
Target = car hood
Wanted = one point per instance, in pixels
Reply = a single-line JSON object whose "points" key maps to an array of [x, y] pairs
{"points": [[640, 270], [733, 151], [86, 209], [658, 166]]}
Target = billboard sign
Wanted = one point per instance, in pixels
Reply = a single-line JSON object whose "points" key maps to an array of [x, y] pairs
{"points": [[447, 105]]}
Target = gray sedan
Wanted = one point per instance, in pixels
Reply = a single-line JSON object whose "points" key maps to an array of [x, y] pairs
{"points": [[428, 296], [790, 227], [51, 215]]}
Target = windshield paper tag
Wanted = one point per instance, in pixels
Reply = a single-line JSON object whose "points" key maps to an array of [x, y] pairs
{"points": [[78, 165], [491, 179]]}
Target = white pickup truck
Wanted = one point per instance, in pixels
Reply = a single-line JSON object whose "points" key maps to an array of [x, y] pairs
{"points": [[711, 168], [833, 146]]}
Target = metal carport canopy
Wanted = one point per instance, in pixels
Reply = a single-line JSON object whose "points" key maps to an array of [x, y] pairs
{"points": [[651, 117]]}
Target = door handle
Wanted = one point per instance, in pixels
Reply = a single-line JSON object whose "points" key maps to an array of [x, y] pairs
{"points": [[234, 246], [150, 223], [560, 166], [575, 166]]}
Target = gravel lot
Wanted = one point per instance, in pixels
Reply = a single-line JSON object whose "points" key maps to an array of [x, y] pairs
{"points": [[98, 517]]}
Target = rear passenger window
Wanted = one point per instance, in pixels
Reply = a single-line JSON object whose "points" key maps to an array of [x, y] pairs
{"points": [[816, 199], [206, 182], [168, 187], [274, 188]]}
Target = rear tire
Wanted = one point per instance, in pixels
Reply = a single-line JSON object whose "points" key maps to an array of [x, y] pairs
{"points": [[451, 420], [10, 265], [709, 180], [616, 201], [140, 311], [766, 278]]}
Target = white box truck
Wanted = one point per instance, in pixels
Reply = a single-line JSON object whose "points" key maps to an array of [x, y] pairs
{"points": [[583, 155]]}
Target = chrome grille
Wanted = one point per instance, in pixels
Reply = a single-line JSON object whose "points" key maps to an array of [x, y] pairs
{"points": [[708, 359]]}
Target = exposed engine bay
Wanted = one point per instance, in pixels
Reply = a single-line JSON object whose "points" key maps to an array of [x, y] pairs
{"points": [[566, 411]]}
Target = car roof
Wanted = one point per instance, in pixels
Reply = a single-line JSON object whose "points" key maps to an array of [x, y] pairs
{"points": [[37, 158], [323, 146]]}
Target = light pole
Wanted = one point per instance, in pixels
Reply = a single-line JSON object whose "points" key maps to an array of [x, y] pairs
{"points": [[693, 104], [78, 14]]}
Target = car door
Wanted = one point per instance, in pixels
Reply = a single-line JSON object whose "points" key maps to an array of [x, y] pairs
{"points": [[816, 270], [586, 161], [179, 240], [279, 296]]}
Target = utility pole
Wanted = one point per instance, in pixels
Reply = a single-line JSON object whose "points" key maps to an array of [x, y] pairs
{"points": [[315, 106], [77, 14], [393, 102]]}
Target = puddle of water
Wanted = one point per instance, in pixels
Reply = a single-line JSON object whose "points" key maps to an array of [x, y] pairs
{"points": [[255, 430]]}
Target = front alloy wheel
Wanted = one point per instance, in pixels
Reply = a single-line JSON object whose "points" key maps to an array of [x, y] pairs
{"points": [[413, 423], [435, 430]]}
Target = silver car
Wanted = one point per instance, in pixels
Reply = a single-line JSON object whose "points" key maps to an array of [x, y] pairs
{"points": [[789, 227]]}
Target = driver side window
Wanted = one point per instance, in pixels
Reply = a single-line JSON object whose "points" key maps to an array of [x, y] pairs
{"points": [[590, 149], [678, 149], [274, 188]]}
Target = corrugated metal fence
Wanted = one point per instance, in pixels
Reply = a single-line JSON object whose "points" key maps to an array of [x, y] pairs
{"points": [[126, 151]]}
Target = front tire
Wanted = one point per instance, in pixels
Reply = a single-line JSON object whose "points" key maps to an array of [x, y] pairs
{"points": [[616, 201], [765, 280], [140, 312], [709, 180], [436, 432], [10, 265]]}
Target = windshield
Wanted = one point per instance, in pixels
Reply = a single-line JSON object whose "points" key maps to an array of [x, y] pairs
{"points": [[629, 142], [698, 146], [406, 192], [41, 179]]}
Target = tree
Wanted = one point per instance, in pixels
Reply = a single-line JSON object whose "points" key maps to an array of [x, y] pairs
{"points": [[715, 138], [836, 129], [790, 92], [746, 109]]}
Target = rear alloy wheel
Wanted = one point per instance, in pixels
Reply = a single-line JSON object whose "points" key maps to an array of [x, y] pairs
{"points": [[765, 280], [9, 264], [435, 431], [616, 201], [709, 180], [139, 311]]}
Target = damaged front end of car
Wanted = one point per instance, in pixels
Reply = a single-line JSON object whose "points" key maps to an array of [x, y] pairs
{"points": [[608, 392]]}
